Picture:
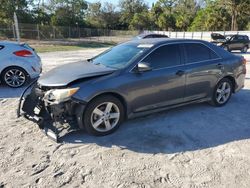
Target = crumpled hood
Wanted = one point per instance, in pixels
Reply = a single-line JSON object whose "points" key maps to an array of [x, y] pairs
{"points": [[65, 74]]}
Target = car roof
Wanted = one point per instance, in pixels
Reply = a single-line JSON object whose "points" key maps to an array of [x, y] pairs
{"points": [[155, 42], [236, 35], [159, 41], [146, 34]]}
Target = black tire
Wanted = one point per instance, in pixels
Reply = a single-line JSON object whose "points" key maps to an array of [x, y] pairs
{"points": [[88, 115], [244, 49], [215, 96], [24, 76]]}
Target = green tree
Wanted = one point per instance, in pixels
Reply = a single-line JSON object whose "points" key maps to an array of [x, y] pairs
{"points": [[8, 7], [237, 10], [185, 12], [166, 21], [110, 16], [68, 12], [129, 8], [141, 21], [163, 13], [93, 16], [211, 18]]}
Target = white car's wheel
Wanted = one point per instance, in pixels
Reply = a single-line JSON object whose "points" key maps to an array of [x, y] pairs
{"points": [[14, 77]]}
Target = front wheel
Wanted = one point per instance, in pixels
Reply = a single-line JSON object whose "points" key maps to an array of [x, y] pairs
{"points": [[103, 115], [222, 92]]}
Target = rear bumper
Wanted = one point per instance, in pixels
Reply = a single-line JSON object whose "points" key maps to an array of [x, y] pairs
{"points": [[240, 81], [54, 119], [35, 71]]}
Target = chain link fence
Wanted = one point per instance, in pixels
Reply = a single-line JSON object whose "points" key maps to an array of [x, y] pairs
{"points": [[50, 33]]}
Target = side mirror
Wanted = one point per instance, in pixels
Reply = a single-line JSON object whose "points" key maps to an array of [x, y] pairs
{"points": [[143, 67]]}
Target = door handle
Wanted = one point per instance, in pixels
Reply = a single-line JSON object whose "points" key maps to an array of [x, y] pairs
{"points": [[220, 66], [180, 72]]}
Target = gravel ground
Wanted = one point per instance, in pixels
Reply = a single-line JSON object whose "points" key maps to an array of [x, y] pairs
{"points": [[193, 146]]}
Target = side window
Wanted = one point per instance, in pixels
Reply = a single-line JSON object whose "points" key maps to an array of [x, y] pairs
{"points": [[149, 36], [198, 52], [1, 47], [240, 37], [165, 56]]}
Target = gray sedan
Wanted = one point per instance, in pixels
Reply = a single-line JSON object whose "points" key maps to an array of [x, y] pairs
{"points": [[130, 80]]}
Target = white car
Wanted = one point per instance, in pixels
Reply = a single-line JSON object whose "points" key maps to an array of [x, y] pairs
{"points": [[18, 64]]}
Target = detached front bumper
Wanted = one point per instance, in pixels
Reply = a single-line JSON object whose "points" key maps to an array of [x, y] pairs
{"points": [[52, 119]]}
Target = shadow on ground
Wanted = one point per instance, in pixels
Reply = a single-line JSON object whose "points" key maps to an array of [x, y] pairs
{"points": [[7, 92], [188, 128]]}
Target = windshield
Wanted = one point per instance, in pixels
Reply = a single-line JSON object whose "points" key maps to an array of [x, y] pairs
{"points": [[228, 37], [119, 56]]}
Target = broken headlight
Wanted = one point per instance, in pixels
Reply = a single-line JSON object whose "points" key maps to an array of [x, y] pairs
{"points": [[56, 96]]}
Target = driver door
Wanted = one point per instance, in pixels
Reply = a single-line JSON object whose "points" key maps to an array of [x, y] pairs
{"points": [[163, 85], [234, 43]]}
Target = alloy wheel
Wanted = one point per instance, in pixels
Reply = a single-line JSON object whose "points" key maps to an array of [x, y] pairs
{"points": [[14, 77], [223, 92], [105, 117]]}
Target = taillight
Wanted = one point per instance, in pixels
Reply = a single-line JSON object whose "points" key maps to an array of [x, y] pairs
{"points": [[23, 53], [244, 61]]}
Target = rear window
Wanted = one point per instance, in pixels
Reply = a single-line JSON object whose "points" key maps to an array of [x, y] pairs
{"points": [[198, 52], [160, 36], [246, 38], [149, 36]]}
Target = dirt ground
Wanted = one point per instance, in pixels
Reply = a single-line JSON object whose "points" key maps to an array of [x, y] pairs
{"points": [[193, 146]]}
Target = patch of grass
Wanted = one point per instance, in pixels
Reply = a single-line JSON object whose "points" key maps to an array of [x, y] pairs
{"points": [[61, 47]]}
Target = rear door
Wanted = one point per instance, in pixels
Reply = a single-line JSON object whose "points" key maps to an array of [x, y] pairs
{"points": [[241, 42], [203, 69], [235, 43]]}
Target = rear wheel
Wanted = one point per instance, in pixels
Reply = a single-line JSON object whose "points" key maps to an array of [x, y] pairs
{"points": [[14, 77], [103, 115], [222, 92], [244, 50]]}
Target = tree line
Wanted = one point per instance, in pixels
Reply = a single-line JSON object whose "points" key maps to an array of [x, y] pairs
{"points": [[169, 15]]}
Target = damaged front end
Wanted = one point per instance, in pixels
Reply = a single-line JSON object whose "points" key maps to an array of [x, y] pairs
{"points": [[52, 109]]}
